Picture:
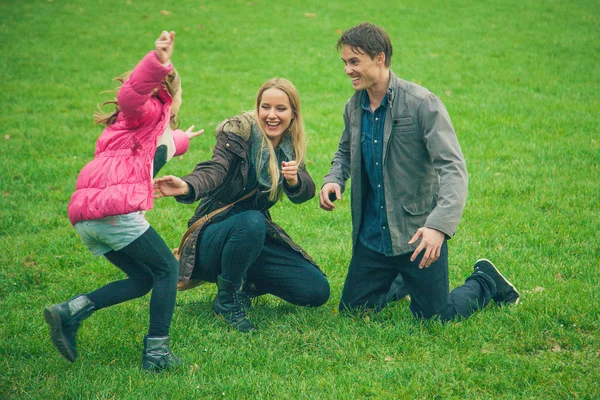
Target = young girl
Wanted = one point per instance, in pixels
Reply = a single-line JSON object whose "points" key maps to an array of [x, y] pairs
{"points": [[113, 191], [258, 156]]}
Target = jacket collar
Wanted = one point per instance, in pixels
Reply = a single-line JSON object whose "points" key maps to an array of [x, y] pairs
{"points": [[240, 125], [393, 86]]}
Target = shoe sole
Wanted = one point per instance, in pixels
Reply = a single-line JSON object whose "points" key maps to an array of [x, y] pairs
{"points": [[155, 368], [234, 326], [150, 366], [56, 333], [506, 280]]}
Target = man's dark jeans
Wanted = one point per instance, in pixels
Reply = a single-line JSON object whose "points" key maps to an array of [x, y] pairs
{"points": [[371, 274], [238, 249]]}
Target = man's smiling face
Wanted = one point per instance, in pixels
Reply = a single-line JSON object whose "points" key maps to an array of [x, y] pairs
{"points": [[362, 69]]}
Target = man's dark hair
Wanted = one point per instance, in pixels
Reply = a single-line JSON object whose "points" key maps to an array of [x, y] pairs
{"points": [[367, 38]]}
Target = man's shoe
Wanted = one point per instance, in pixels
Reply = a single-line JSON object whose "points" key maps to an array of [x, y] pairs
{"points": [[506, 293], [397, 291]]}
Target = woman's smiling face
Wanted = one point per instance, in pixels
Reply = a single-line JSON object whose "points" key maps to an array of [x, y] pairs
{"points": [[274, 114]]}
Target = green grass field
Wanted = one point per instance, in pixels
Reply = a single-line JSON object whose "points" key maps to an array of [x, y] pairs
{"points": [[520, 80]]}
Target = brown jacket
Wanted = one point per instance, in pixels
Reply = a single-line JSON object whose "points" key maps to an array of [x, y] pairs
{"points": [[224, 179]]}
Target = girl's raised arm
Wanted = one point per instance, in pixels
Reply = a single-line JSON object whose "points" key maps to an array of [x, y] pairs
{"points": [[164, 46]]}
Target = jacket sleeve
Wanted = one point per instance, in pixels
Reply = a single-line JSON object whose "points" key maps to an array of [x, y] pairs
{"points": [[340, 165], [209, 175], [304, 191], [449, 163], [170, 144], [182, 142], [138, 89]]}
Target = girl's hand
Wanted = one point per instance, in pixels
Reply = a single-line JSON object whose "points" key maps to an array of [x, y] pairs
{"points": [[170, 186], [190, 134], [290, 172], [164, 46]]}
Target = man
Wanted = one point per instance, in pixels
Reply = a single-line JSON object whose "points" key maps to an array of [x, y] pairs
{"points": [[409, 186]]}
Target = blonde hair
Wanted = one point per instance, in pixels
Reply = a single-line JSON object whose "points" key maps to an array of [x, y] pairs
{"points": [[172, 84], [295, 130]]}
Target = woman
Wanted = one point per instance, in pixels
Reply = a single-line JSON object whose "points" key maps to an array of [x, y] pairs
{"points": [[241, 248]]}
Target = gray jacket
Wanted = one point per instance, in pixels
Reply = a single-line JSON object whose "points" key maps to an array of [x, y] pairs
{"points": [[424, 171]]}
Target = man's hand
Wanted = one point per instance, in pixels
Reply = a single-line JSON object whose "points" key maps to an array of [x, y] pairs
{"points": [[328, 189], [170, 186], [164, 46], [431, 242]]}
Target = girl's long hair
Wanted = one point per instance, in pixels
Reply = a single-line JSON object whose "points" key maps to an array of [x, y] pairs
{"points": [[295, 130]]}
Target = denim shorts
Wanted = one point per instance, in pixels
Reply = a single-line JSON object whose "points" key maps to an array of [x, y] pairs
{"points": [[111, 233]]}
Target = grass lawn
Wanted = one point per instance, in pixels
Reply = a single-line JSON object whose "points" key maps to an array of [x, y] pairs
{"points": [[520, 80]]}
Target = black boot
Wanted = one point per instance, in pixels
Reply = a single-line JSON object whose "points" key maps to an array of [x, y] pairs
{"points": [[249, 292], [64, 320], [229, 304], [157, 355]]}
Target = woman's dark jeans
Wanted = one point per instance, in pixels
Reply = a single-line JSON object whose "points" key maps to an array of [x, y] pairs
{"points": [[371, 274], [239, 249], [150, 265]]}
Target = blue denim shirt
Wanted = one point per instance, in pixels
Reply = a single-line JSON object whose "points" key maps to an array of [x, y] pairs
{"points": [[374, 232]]}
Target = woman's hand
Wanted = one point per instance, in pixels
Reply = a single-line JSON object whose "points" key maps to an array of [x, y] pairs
{"points": [[164, 46], [190, 134], [290, 172], [170, 186]]}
